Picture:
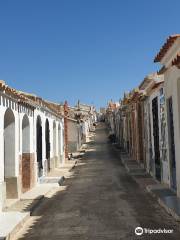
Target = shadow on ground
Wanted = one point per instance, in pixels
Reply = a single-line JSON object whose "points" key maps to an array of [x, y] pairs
{"points": [[99, 201]]}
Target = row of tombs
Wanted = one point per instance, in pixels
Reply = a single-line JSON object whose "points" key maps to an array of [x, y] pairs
{"points": [[146, 122], [31, 141]]}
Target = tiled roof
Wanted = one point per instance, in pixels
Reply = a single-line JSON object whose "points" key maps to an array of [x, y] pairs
{"points": [[168, 44], [136, 94], [147, 81], [30, 99], [157, 84], [16, 94], [176, 61]]}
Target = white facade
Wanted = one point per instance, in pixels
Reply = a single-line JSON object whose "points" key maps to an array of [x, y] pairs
{"points": [[172, 89], [172, 101], [56, 142], [162, 135], [18, 144]]}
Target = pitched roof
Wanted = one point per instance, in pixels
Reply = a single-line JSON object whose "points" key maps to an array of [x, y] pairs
{"points": [[30, 99], [147, 80], [176, 61], [167, 45], [15, 94]]}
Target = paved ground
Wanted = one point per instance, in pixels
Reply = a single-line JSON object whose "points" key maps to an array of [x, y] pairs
{"points": [[100, 201]]}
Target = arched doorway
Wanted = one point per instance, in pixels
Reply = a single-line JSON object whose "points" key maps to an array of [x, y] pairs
{"points": [[59, 140], [9, 154], [59, 144], [26, 163], [39, 145], [47, 133]]}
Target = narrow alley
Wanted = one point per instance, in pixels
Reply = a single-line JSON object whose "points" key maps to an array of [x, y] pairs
{"points": [[100, 201]]}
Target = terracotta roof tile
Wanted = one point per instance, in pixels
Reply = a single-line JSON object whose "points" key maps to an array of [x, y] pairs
{"points": [[168, 44]]}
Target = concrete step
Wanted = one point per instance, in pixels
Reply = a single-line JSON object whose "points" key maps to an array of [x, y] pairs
{"points": [[14, 216], [132, 162], [138, 173], [25, 205], [145, 180], [172, 205], [17, 213], [167, 198], [135, 169], [124, 158], [39, 191], [11, 223], [58, 180], [31, 199]]}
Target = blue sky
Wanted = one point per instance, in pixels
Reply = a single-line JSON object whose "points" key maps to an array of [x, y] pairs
{"points": [[92, 50]]}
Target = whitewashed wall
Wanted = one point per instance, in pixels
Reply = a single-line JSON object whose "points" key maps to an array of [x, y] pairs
{"points": [[19, 111], [51, 118], [6, 103], [30, 114]]}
